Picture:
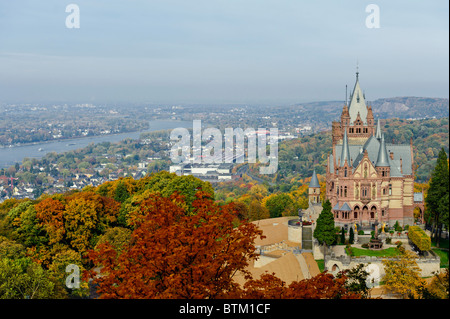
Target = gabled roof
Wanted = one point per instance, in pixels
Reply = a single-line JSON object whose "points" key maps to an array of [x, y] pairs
{"points": [[314, 181], [345, 207]]}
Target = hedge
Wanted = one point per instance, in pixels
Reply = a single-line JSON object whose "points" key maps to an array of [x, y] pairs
{"points": [[419, 238]]}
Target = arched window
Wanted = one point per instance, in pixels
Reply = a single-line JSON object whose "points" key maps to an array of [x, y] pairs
{"points": [[356, 212], [345, 191]]}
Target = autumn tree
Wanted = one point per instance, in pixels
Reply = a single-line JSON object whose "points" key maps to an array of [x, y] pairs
{"points": [[177, 253], [321, 286], [256, 211], [50, 213], [403, 276]]}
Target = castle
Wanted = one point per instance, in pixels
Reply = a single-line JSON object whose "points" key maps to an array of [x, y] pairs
{"points": [[367, 179]]}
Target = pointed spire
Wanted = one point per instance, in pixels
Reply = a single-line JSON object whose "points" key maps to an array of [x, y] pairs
{"points": [[357, 70], [382, 159], [378, 131], [345, 154], [357, 102], [314, 181]]}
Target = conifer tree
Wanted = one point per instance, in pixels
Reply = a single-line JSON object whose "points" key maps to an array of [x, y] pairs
{"points": [[351, 235], [437, 198], [325, 232]]}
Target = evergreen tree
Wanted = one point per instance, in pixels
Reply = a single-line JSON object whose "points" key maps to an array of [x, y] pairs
{"points": [[351, 235], [342, 235], [324, 231], [437, 198]]}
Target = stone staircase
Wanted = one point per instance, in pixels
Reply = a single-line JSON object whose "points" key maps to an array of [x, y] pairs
{"points": [[307, 243]]}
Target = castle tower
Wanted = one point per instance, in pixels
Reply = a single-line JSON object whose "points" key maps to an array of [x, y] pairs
{"points": [[314, 189], [356, 119]]}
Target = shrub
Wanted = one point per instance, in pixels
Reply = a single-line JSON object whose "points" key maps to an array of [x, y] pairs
{"points": [[388, 240], [361, 232], [419, 238], [366, 245]]}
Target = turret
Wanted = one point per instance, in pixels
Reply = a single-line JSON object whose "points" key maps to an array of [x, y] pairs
{"points": [[314, 189]]}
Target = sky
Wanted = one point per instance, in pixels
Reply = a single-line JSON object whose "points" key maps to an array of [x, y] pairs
{"points": [[221, 51]]}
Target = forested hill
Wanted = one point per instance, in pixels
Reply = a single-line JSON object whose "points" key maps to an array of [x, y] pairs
{"points": [[408, 107], [298, 157]]}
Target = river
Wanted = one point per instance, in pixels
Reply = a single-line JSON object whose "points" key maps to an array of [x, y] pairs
{"points": [[11, 155]]}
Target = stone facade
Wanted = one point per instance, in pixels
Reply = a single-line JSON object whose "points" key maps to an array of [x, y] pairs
{"points": [[368, 179]]}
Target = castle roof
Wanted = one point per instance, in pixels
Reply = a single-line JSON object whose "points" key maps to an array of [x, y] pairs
{"points": [[345, 153], [357, 104], [382, 158], [314, 181], [372, 146], [378, 132]]}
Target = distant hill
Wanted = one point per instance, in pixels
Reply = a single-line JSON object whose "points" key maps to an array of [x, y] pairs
{"points": [[396, 107], [410, 107]]}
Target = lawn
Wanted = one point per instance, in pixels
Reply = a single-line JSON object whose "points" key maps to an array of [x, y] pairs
{"points": [[389, 252], [443, 254], [321, 264]]}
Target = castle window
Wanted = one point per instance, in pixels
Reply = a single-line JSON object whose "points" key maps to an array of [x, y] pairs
{"points": [[390, 189], [345, 172], [345, 191]]}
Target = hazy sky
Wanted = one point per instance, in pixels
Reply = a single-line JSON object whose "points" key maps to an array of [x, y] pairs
{"points": [[220, 51]]}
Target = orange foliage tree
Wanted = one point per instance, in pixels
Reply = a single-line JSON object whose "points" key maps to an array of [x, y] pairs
{"points": [[175, 253], [322, 286]]}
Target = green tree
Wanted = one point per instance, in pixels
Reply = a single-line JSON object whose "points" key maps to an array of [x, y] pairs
{"points": [[357, 280], [325, 232], [351, 235], [342, 235], [279, 204], [24, 279], [121, 194], [437, 197]]}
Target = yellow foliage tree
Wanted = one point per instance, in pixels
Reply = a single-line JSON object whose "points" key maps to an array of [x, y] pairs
{"points": [[403, 276]]}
